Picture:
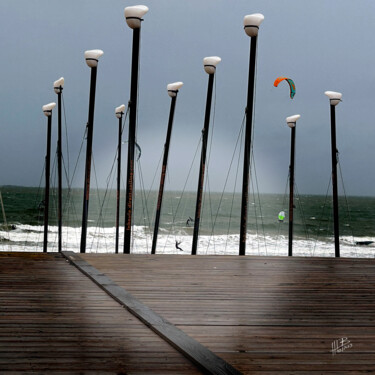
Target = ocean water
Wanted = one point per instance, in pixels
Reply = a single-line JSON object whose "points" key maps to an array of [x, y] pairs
{"points": [[219, 230]]}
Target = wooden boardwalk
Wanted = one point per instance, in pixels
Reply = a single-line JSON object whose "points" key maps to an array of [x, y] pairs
{"points": [[263, 315], [54, 320]]}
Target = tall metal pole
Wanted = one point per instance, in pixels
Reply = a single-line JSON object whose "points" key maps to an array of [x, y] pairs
{"points": [[334, 182], [119, 111], [172, 91], [58, 87], [59, 172], [247, 148], [133, 16], [291, 191], [46, 192], [291, 121], [211, 65], [131, 141], [47, 109], [335, 98], [251, 26], [92, 61]]}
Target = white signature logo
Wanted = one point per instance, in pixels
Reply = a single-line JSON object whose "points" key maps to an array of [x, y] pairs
{"points": [[340, 345]]}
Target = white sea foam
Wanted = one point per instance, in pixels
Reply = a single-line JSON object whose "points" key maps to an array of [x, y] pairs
{"points": [[102, 240]]}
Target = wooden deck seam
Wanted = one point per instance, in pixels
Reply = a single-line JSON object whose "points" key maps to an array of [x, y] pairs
{"points": [[200, 355]]}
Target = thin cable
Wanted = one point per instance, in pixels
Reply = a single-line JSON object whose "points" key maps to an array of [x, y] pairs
{"points": [[304, 222], [66, 134], [174, 214], [322, 213], [346, 200], [260, 206], [240, 133], [240, 140], [207, 183], [146, 216], [283, 205]]}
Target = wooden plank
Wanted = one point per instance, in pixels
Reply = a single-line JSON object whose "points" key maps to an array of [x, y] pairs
{"points": [[200, 355]]}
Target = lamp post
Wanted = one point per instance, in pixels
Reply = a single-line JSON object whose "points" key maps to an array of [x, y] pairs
{"points": [[119, 112], [334, 99], [209, 64], [172, 90], [47, 110], [251, 27], [133, 16], [92, 58], [58, 87], [291, 122]]}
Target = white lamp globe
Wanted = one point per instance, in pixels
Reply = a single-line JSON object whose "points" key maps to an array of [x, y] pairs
{"points": [[58, 85], [210, 63], [334, 97], [92, 57], [134, 14], [291, 120], [119, 111], [251, 23], [173, 88], [47, 109]]}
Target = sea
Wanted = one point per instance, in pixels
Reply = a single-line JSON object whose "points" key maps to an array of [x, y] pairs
{"points": [[21, 223]]}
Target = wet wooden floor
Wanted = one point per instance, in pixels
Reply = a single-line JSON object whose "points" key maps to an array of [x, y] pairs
{"points": [[54, 320], [263, 315]]}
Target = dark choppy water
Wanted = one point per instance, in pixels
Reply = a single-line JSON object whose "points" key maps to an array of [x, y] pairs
{"points": [[219, 224]]}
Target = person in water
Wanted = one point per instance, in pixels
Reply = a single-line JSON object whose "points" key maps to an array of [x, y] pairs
{"points": [[188, 221], [178, 245]]}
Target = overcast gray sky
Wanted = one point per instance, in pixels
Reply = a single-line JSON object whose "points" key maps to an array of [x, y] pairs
{"points": [[322, 45]]}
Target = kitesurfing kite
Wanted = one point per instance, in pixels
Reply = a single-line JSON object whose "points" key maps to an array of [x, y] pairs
{"points": [[291, 85]]}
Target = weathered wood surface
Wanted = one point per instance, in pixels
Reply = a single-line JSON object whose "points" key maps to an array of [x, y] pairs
{"points": [[54, 320], [264, 315], [190, 348]]}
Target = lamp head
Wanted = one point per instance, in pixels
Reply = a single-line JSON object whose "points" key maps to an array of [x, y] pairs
{"points": [[47, 109], [173, 88], [58, 85], [119, 111], [291, 120], [210, 63], [134, 14], [334, 97], [92, 57], [251, 23]]}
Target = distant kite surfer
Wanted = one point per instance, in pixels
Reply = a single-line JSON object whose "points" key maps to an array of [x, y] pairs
{"points": [[281, 216], [188, 221], [42, 205], [178, 245]]}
